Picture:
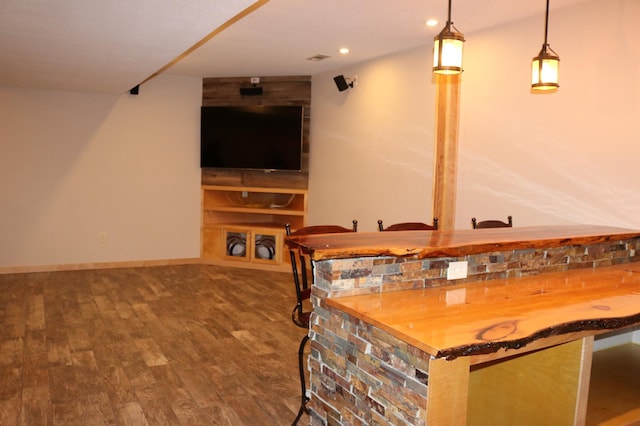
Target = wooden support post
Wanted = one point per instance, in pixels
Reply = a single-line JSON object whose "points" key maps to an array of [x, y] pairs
{"points": [[448, 392], [446, 149]]}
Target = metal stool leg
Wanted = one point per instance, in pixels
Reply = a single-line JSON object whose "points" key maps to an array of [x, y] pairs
{"points": [[303, 386]]}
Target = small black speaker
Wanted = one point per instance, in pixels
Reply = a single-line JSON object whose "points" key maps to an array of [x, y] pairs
{"points": [[251, 91], [134, 90], [341, 82]]}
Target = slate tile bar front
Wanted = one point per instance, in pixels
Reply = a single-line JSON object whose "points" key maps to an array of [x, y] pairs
{"points": [[360, 374]]}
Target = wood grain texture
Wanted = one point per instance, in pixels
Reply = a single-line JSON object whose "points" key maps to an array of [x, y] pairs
{"points": [[483, 318], [453, 243], [448, 392], [179, 345], [514, 391], [446, 150]]}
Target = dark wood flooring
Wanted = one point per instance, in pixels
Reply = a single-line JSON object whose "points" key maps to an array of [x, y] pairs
{"points": [[183, 345], [170, 345]]}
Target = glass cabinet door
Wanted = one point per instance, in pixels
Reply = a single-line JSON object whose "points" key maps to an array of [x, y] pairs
{"points": [[236, 244], [258, 244], [266, 245]]}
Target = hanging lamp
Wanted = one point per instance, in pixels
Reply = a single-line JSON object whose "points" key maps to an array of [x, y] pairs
{"points": [[545, 66], [447, 49]]}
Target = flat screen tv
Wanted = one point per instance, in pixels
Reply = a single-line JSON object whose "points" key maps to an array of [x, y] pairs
{"points": [[265, 138]]}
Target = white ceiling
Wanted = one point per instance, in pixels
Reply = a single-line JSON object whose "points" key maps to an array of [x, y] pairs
{"points": [[109, 46]]}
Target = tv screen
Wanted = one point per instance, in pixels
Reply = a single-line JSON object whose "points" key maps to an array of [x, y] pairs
{"points": [[251, 137]]}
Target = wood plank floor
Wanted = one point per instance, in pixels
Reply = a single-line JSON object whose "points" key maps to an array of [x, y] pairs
{"points": [[183, 345], [171, 345]]}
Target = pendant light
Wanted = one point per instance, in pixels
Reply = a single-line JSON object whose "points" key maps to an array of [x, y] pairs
{"points": [[544, 67], [447, 49]]}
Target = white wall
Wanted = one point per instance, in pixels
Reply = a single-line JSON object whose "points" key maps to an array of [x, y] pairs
{"points": [[567, 157], [372, 146], [617, 338], [75, 165]]}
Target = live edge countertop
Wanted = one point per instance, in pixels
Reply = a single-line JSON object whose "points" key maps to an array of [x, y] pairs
{"points": [[481, 318], [452, 243]]}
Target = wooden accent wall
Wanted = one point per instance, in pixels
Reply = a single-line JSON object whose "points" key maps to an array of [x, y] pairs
{"points": [[279, 90]]}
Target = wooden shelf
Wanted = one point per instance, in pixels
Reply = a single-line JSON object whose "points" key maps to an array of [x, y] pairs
{"points": [[252, 215], [236, 209]]}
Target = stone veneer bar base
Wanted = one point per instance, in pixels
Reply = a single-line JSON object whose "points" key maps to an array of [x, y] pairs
{"points": [[362, 375]]}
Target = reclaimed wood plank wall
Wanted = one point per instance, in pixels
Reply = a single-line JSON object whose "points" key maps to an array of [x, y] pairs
{"points": [[278, 90]]}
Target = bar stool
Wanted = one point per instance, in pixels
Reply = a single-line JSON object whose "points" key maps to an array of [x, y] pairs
{"points": [[492, 223], [299, 315], [409, 226]]}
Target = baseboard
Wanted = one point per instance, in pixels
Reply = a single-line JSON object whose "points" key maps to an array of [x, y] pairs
{"points": [[97, 265]]}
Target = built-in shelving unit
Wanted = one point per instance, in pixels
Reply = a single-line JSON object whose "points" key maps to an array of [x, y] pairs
{"points": [[244, 226], [244, 211]]}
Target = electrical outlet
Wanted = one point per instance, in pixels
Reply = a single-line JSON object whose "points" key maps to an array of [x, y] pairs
{"points": [[457, 270], [102, 237], [255, 80], [245, 194]]}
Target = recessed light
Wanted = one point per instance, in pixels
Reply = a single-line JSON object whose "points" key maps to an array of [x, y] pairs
{"points": [[431, 22], [343, 50]]}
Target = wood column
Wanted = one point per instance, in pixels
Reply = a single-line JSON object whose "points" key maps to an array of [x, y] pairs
{"points": [[446, 149], [448, 391]]}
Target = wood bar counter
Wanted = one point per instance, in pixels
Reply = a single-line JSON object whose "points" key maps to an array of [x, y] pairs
{"points": [[395, 342]]}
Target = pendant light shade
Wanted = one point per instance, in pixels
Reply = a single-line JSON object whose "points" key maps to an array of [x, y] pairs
{"points": [[545, 66], [447, 49], [544, 70]]}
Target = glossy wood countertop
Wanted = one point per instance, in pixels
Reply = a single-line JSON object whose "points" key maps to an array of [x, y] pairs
{"points": [[486, 317], [454, 243]]}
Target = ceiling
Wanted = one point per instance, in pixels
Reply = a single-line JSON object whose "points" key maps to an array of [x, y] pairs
{"points": [[109, 46]]}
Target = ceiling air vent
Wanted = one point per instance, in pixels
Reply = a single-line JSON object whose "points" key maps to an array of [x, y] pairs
{"points": [[317, 58]]}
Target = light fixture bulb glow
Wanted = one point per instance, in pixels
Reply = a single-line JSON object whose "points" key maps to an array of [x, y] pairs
{"points": [[544, 76], [450, 62]]}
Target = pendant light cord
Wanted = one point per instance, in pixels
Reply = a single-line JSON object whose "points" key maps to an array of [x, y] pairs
{"points": [[546, 23]]}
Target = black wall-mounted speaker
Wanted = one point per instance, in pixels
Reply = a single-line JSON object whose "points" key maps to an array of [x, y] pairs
{"points": [[341, 82], [251, 91], [135, 90]]}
